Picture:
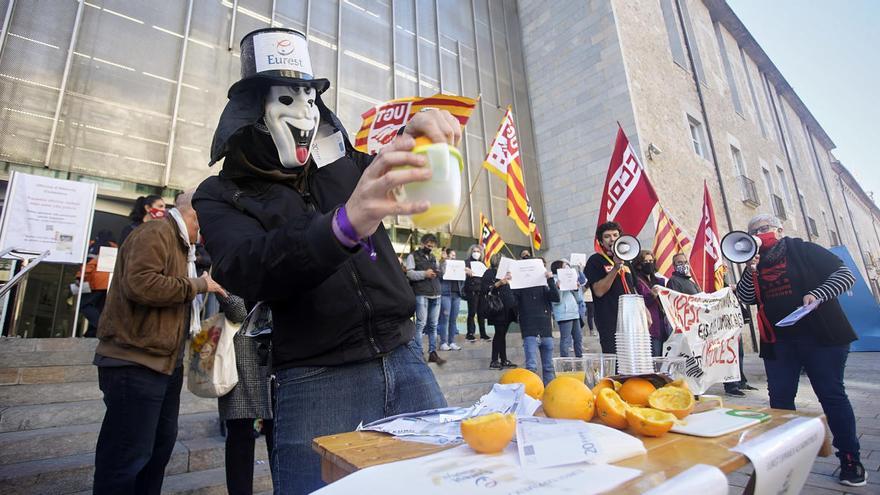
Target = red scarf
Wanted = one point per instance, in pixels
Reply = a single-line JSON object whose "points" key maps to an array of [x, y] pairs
{"points": [[765, 328]]}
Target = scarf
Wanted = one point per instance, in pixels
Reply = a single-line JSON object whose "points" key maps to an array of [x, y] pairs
{"points": [[195, 323], [770, 258]]}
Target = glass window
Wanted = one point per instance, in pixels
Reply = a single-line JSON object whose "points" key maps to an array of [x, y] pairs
{"points": [[738, 161], [696, 130], [728, 70], [784, 184], [673, 32]]}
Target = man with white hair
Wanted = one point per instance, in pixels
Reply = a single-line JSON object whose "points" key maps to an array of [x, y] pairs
{"points": [[149, 312]]}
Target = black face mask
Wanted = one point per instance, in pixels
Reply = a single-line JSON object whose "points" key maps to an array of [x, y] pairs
{"points": [[648, 268], [426, 250], [525, 257]]}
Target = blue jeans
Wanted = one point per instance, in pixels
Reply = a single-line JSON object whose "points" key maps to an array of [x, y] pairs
{"points": [[447, 324], [313, 401], [532, 345], [825, 367], [427, 314], [570, 330]]}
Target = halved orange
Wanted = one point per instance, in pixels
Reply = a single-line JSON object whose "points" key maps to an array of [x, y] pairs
{"points": [[568, 398], [489, 433], [676, 400], [606, 383], [635, 391], [649, 422], [611, 409], [533, 383]]}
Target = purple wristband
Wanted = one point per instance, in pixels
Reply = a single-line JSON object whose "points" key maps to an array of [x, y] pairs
{"points": [[340, 236], [346, 229]]}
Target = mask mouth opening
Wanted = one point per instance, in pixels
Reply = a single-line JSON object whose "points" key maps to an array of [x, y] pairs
{"points": [[302, 141]]}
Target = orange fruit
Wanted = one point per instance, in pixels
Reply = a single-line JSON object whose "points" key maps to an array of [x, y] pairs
{"points": [[489, 433], [611, 409], [606, 383], [567, 398], [649, 422], [680, 383], [675, 400], [533, 383], [635, 391]]}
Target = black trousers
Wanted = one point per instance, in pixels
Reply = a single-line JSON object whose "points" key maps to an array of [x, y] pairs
{"points": [[499, 343], [473, 305], [607, 340], [139, 429], [240, 441], [591, 315]]}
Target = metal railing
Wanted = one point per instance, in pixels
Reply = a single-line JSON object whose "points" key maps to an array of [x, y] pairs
{"points": [[749, 191], [29, 259], [778, 207]]}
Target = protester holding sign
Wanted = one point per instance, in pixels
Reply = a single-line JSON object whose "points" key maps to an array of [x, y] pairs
{"points": [[500, 313], [793, 273], [450, 300], [474, 296], [608, 279], [534, 305], [567, 313]]}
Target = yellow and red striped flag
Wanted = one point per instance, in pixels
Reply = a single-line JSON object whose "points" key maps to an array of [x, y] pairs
{"points": [[490, 240], [504, 160], [669, 240], [382, 122]]}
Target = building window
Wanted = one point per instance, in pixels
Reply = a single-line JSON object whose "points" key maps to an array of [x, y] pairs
{"points": [[784, 185], [696, 129], [673, 32], [728, 70], [747, 185]]}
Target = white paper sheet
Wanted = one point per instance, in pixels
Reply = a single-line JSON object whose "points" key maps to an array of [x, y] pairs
{"points": [[797, 314], [527, 273], [106, 259], [454, 270], [702, 479], [477, 268], [461, 471], [784, 455], [546, 442], [578, 259], [568, 278], [503, 267]]}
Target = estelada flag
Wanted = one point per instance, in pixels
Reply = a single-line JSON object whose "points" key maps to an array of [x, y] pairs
{"points": [[628, 196], [707, 267], [505, 161], [669, 240], [382, 122], [490, 240]]}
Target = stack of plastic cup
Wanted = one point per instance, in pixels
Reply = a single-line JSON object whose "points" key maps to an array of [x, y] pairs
{"points": [[632, 338]]}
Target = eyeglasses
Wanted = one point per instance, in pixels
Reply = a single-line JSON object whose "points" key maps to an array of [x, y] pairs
{"points": [[763, 229]]}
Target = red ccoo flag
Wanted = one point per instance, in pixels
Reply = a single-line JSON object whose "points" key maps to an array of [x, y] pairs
{"points": [[707, 267], [628, 196]]}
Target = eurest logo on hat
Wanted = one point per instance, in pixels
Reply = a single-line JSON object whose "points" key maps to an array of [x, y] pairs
{"points": [[282, 51]]}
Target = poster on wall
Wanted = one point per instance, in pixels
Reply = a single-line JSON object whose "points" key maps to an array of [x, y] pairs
{"points": [[45, 213]]}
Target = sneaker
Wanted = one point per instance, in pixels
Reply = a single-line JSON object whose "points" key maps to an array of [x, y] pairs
{"points": [[746, 386], [494, 365], [735, 392], [852, 473], [470, 337], [507, 364], [444, 346], [434, 358], [454, 347], [485, 337]]}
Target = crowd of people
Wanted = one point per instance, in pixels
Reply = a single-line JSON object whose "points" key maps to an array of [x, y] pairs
{"points": [[303, 236]]}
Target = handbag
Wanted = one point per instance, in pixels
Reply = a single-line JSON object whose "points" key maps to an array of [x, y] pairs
{"points": [[210, 358], [494, 304]]}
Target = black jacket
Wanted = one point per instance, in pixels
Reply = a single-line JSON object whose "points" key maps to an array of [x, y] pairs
{"points": [[268, 242], [487, 282], [534, 306], [680, 283], [473, 285]]}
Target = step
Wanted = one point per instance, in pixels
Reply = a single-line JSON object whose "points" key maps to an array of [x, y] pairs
{"points": [[209, 452], [62, 441], [14, 359], [67, 474], [34, 416], [48, 374], [213, 481], [49, 393]]}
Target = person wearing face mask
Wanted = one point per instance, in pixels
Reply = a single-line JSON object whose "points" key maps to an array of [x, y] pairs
{"points": [[567, 315], [450, 302], [422, 271], [609, 278], [647, 282], [789, 274], [681, 280], [303, 232], [474, 296], [525, 254], [145, 208]]}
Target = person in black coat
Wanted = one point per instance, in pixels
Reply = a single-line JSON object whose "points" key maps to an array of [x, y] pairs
{"points": [[501, 320], [474, 296], [535, 309]]}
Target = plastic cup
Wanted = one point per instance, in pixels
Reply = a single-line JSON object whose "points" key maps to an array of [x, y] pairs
{"points": [[672, 366], [569, 366], [598, 366], [443, 189]]}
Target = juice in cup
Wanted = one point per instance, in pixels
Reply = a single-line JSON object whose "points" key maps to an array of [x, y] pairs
{"points": [[443, 189], [577, 375]]}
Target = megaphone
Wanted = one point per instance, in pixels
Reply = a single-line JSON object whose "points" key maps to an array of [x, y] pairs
{"points": [[739, 246], [626, 247]]}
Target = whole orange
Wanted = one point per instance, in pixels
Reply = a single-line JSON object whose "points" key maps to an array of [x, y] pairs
{"points": [[568, 398], [533, 383], [635, 391]]}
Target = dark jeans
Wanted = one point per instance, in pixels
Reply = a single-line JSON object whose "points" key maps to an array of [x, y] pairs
{"points": [[591, 315], [607, 340], [91, 306], [499, 343], [240, 442], [139, 429], [825, 367], [473, 305], [312, 401]]}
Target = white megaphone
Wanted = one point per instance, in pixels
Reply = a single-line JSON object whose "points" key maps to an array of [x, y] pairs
{"points": [[739, 246], [626, 247]]}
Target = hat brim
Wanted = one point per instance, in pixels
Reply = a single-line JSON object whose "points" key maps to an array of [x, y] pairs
{"points": [[266, 80]]}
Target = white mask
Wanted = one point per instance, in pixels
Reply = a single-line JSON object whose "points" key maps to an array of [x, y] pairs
{"points": [[476, 255], [292, 117]]}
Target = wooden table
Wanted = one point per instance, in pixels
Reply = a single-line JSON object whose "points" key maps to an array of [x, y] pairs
{"points": [[667, 456]]}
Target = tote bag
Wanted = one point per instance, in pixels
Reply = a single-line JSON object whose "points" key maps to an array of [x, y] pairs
{"points": [[210, 358]]}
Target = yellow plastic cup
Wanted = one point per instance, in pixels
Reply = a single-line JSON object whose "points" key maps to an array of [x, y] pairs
{"points": [[443, 189]]}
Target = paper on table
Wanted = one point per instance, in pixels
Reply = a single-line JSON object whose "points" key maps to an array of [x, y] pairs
{"points": [[702, 479], [106, 259], [454, 270], [546, 442], [568, 278], [784, 455], [527, 273], [578, 259], [797, 314], [503, 267], [477, 268], [462, 471]]}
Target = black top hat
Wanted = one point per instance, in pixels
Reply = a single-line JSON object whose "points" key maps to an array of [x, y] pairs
{"points": [[276, 56]]}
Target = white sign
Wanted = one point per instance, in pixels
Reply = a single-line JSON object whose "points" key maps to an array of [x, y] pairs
{"points": [[282, 51], [546, 442], [503, 267], [578, 259], [107, 259], [44, 213], [454, 270], [706, 331], [702, 479], [784, 455], [527, 273], [477, 268], [568, 278]]}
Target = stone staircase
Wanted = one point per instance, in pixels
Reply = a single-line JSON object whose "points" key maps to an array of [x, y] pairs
{"points": [[51, 412]]}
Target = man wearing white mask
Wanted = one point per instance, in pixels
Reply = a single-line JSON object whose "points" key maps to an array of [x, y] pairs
{"points": [[295, 219], [681, 280]]}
